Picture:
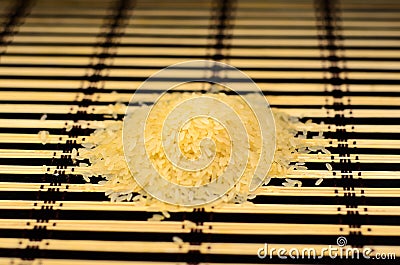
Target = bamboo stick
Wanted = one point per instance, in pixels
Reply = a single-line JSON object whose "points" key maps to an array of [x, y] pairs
{"points": [[310, 174], [224, 208], [25, 123], [151, 247], [207, 227], [33, 138], [326, 158], [41, 261], [64, 109], [111, 246], [263, 191]]}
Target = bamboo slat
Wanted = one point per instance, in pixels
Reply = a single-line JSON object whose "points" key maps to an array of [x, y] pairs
{"points": [[326, 158], [41, 261], [263, 191], [227, 209], [105, 109], [312, 174]]}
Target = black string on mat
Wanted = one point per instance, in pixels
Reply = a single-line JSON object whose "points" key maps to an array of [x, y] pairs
{"points": [[332, 49], [52, 197], [220, 35], [15, 17]]}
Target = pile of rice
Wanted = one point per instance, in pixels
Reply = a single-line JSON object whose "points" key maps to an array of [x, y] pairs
{"points": [[104, 149]]}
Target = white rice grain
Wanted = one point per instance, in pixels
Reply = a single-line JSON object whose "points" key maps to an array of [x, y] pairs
{"points": [[156, 217], [325, 151], [105, 152], [251, 196], [329, 166], [177, 239], [69, 127], [44, 136], [319, 181], [166, 214]]}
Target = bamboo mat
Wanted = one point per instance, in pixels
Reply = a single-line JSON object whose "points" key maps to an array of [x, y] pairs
{"points": [[336, 62]]}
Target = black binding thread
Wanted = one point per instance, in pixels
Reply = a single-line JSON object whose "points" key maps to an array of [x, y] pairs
{"points": [[52, 197], [223, 25], [15, 18], [331, 41], [219, 44], [219, 39]]}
